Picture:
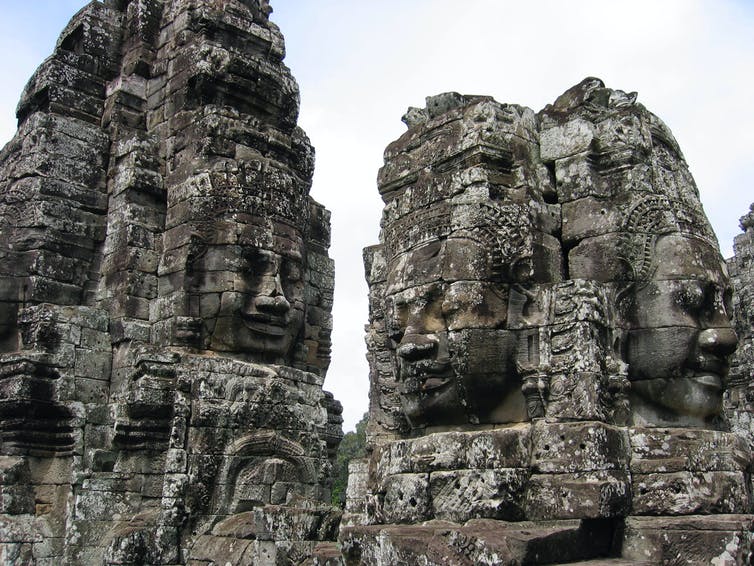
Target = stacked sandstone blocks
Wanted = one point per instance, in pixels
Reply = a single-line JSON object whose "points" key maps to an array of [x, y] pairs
{"points": [[739, 401], [165, 297], [548, 341]]}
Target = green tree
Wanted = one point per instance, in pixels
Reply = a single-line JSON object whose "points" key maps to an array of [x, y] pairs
{"points": [[352, 446]]}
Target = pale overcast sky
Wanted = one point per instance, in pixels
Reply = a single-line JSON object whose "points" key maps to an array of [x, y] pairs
{"points": [[361, 63]]}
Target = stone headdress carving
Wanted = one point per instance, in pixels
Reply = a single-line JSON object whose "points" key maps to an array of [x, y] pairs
{"points": [[648, 219], [645, 221], [504, 229]]}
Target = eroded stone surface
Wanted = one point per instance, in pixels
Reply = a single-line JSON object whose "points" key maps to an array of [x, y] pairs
{"points": [[165, 298], [548, 340], [740, 393]]}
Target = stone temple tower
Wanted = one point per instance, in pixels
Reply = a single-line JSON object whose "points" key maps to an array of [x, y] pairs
{"points": [[739, 401], [548, 340], [165, 298]]}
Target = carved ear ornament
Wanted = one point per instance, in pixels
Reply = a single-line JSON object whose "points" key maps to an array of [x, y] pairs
{"points": [[198, 244]]}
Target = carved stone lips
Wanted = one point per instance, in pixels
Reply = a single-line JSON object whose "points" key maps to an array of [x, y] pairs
{"points": [[425, 376], [263, 323], [708, 371], [708, 380], [433, 383], [414, 386]]}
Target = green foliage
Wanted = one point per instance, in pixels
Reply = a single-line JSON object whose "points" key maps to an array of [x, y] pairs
{"points": [[352, 446]]}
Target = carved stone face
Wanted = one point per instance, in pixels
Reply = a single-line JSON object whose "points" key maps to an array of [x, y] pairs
{"points": [[681, 336], [446, 319], [261, 306]]}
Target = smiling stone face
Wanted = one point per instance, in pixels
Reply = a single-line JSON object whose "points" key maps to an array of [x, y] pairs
{"points": [[446, 316], [263, 313], [255, 311], [681, 335]]}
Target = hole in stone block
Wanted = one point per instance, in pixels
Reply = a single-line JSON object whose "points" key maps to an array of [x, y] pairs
{"points": [[74, 41]]}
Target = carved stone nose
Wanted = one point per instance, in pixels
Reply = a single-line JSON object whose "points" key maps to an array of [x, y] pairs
{"points": [[416, 346], [272, 305], [722, 341]]}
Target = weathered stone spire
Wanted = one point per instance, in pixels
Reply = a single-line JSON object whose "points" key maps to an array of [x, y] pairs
{"points": [[165, 292], [548, 341], [739, 402]]}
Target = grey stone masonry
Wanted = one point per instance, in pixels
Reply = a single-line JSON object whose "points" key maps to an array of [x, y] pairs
{"points": [[165, 299], [739, 398], [549, 339]]}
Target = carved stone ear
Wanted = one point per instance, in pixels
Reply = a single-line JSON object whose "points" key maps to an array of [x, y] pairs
{"points": [[521, 271], [624, 297], [197, 249]]}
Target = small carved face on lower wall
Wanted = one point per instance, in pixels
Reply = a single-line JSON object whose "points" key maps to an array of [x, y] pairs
{"points": [[446, 318], [265, 468], [681, 336], [266, 481]]}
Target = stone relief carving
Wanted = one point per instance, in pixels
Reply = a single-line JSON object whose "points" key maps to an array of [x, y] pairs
{"points": [[165, 293], [447, 303], [548, 339], [561, 369]]}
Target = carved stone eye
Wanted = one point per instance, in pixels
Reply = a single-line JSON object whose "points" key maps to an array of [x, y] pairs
{"points": [[291, 271], [396, 320], [691, 296], [728, 301], [258, 262]]}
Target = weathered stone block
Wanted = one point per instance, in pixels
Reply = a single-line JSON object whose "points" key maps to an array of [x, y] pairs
{"points": [[483, 541], [576, 178], [689, 493], [16, 499], [407, 498], [721, 539], [597, 258], [208, 549], [442, 451], [588, 217], [462, 495], [93, 364], [103, 505], [662, 450], [574, 447], [569, 139], [598, 494], [499, 448], [356, 492], [91, 390]]}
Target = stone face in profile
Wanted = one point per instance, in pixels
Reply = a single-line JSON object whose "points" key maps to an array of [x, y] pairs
{"points": [[450, 311], [454, 244], [633, 221], [446, 309], [165, 298], [548, 342], [681, 335]]}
